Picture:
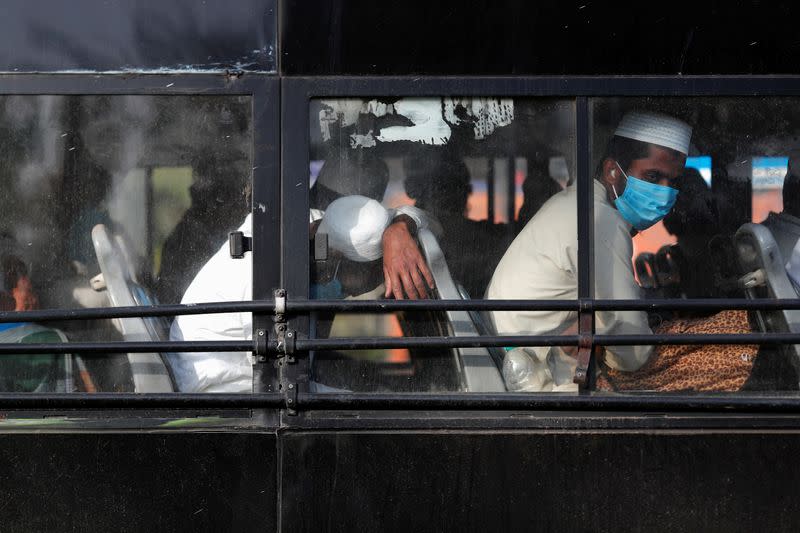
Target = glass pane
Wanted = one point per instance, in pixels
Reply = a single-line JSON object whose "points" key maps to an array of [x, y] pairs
{"points": [[97, 35], [422, 197], [689, 204], [113, 201]]}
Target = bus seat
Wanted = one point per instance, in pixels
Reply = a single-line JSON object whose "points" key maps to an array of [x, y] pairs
{"points": [[149, 370], [785, 229], [480, 370], [764, 276]]}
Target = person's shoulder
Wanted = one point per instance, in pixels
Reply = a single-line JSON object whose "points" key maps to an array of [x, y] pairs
{"points": [[557, 216]]}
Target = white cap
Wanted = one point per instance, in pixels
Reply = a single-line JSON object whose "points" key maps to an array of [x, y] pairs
{"points": [[655, 128], [355, 226]]}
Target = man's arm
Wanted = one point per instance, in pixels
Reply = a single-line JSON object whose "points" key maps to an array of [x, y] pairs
{"points": [[406, 274], [614, 279]]}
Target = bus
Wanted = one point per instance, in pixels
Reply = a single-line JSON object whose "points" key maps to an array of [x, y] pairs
{"points": [[202, 328]]}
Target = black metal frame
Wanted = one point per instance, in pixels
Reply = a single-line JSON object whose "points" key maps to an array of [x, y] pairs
{"points": [[297, 93], [264, 93], [280, 215]]}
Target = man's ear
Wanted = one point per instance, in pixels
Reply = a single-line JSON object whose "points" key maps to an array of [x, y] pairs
{"points": [[611, 173]]}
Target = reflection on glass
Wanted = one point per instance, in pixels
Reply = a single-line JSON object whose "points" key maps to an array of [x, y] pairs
{"points": [[768, 174], [109, 201], [444, 185]]}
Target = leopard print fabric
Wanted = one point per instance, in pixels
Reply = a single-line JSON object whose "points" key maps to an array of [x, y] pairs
{"points": [[691, 368]]}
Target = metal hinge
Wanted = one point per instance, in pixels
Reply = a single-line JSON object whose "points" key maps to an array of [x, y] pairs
{"points": [[239, 244], [286, 338]]}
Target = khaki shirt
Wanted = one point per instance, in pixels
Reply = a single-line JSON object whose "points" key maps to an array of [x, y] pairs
{"points": [[542, 263]]}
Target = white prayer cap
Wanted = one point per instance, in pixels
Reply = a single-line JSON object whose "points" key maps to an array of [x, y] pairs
{"points": [[655, 128], [355, 225]]}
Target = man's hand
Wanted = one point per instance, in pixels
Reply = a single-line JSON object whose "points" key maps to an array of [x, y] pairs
{"points": [[404, 268]]}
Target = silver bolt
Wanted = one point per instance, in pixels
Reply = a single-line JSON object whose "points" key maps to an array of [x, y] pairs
{"points": [[290, 334], [261, 333], [291, 386], [289, 401]]}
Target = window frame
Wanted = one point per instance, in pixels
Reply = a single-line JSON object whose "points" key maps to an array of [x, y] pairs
{"points": [[295, 148], [281, 143], [263, 91]]}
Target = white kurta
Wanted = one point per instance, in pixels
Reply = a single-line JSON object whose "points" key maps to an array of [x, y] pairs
{"points": [[542, 263], [224, 279]]}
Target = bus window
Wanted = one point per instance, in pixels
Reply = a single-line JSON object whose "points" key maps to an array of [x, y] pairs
{"points": [[697, 241], [110, 201], [421, 198]]}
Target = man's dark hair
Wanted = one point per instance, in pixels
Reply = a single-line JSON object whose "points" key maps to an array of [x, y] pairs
{"points": [[438, 180]]}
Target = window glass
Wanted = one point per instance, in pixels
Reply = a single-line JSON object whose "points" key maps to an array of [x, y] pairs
{"points": [[689, 201], [404, 189], [113, 201]]}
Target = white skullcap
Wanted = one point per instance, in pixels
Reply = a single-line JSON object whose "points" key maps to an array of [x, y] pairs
{"points": [[355, 225], [655, 128]]}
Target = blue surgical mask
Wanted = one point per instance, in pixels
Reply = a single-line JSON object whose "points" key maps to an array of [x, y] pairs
{"points": [[642, 203]]}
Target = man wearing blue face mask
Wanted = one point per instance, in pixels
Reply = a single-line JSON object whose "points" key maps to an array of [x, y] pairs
{"points": [[631, 193]]}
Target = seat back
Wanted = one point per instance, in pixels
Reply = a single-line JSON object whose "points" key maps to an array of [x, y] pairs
{"points": [[785, 229], [478, 367], [764, 276], [149, 370]]}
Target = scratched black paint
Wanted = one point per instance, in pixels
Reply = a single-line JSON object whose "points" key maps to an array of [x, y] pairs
{"points": [[102, 35]]}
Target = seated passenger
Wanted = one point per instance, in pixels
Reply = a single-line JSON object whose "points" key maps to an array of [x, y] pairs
{"points": [[704, 224], [225, 279], [27, 373], [631, 193], [537, 188], [439, 182]]}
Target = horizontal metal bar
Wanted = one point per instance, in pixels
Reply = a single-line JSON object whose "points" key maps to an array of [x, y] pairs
{"points": [[388, 306], [368, 343], [597, 401], [552, 402], [372, 343], [373, 306], [296, 306], [532, 86], [50, 315], [139, 401], [127, 347], [700, 304]]}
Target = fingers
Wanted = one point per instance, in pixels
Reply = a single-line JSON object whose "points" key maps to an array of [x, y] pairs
{"points": [[408, 285], [397, 288], [426, 273], [387, 280], [419, 283]]}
